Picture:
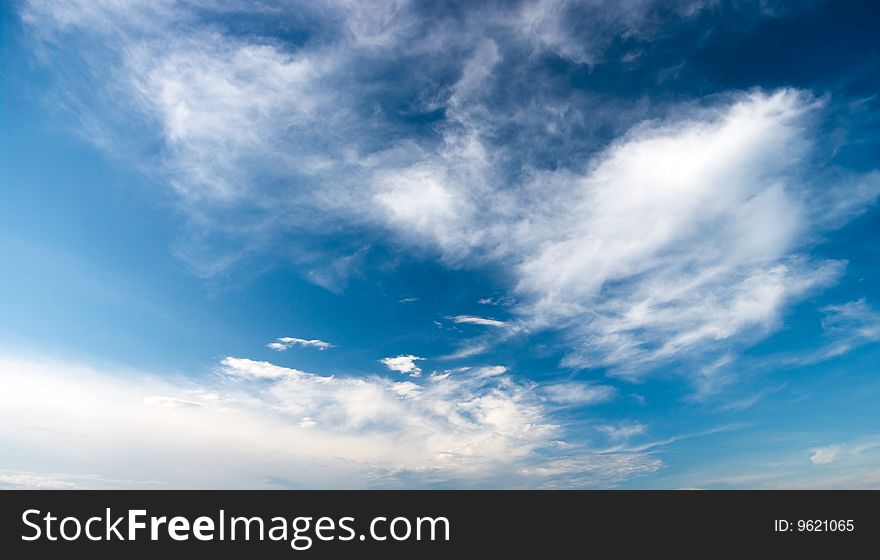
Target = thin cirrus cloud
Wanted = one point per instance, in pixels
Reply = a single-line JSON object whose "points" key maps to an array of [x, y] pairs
{"points": [[825, 455], [845, 452], [622, 431], [471, 426], [845, 465], [574, 393], [483, 321], [287, 342], [846, 326]]}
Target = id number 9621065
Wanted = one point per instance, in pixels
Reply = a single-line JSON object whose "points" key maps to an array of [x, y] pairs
{"points": [[815, 525]]}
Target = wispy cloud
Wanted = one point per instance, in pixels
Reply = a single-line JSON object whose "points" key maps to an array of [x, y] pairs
{"points": [[487, 371], [287, 342], [844, 465], [825, 455], [504, 300], [468, 349], [474, 320], [749, 400], [622, 431], [624, 447], [579, 393], [846, 327], [843, 451]]}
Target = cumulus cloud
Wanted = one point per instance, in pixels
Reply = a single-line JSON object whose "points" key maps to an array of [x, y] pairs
{"points": [[259, 422], [405, 363], [287, 342]]}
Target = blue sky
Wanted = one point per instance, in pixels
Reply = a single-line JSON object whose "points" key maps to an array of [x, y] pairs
{"points": [[549, 244]]}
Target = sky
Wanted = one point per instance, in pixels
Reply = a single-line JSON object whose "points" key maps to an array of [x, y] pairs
{"points": [[395, 244]]}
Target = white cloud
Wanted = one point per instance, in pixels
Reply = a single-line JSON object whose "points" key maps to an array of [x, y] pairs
{"points": [[488, 371], [223, 103], [833, 453], [25, 480], [286, 342], [622, 431], [405, 363], [549, 25], [854, 466], [406, 389], [251, 369], [684, 240], [260, 423], [674, 238], [855, 317], [469, 349], [472, 320], [100, 15], [36, 481], [825, 455], [333, 274], [848, 326], [593, 470], [579, 393], [845, 327], [423, 201]]}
